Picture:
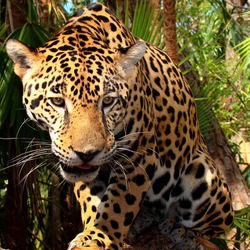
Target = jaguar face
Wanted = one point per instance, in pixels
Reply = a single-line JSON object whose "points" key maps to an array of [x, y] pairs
{"points": [[80, 102]]}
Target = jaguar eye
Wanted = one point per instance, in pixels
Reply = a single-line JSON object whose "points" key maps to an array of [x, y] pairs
{"points": [[107, 101], [57, 101]]}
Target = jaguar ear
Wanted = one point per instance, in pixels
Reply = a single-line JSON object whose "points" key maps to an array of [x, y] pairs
{"points": [[129, 57], [22, 56]]}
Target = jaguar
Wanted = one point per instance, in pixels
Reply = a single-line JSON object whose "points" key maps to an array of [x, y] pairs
{"points": [[124, 129]]}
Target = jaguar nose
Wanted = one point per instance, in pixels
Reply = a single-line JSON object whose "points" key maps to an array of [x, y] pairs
{"points": [[87, 156]]}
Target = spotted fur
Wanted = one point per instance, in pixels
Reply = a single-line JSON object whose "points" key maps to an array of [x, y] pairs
{"points": [[123, 125]]}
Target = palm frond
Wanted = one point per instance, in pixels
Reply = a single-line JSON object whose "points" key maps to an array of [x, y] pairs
{"points": [[148, 24]]}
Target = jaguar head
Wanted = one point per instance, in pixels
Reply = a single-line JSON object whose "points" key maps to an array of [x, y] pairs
{"points": [[80, 97]]}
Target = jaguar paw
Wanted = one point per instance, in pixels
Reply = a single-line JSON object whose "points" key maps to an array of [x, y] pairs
{"points": [[86, 248], [88, 241]]}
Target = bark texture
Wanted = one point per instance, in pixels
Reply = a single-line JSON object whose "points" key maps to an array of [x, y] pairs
{"points": [[170, 29]]}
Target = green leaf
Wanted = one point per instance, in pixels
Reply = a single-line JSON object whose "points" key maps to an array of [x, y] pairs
{"points": [[148, 24]]}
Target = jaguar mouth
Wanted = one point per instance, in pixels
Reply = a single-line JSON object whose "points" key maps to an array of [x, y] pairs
{"points": [[79, 170]]}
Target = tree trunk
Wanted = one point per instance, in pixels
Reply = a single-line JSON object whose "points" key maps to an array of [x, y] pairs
{"points": [[170, 29], [14, 17]]}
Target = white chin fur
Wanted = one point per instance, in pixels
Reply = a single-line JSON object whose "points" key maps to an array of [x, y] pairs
{"points": [[75, 177]]}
